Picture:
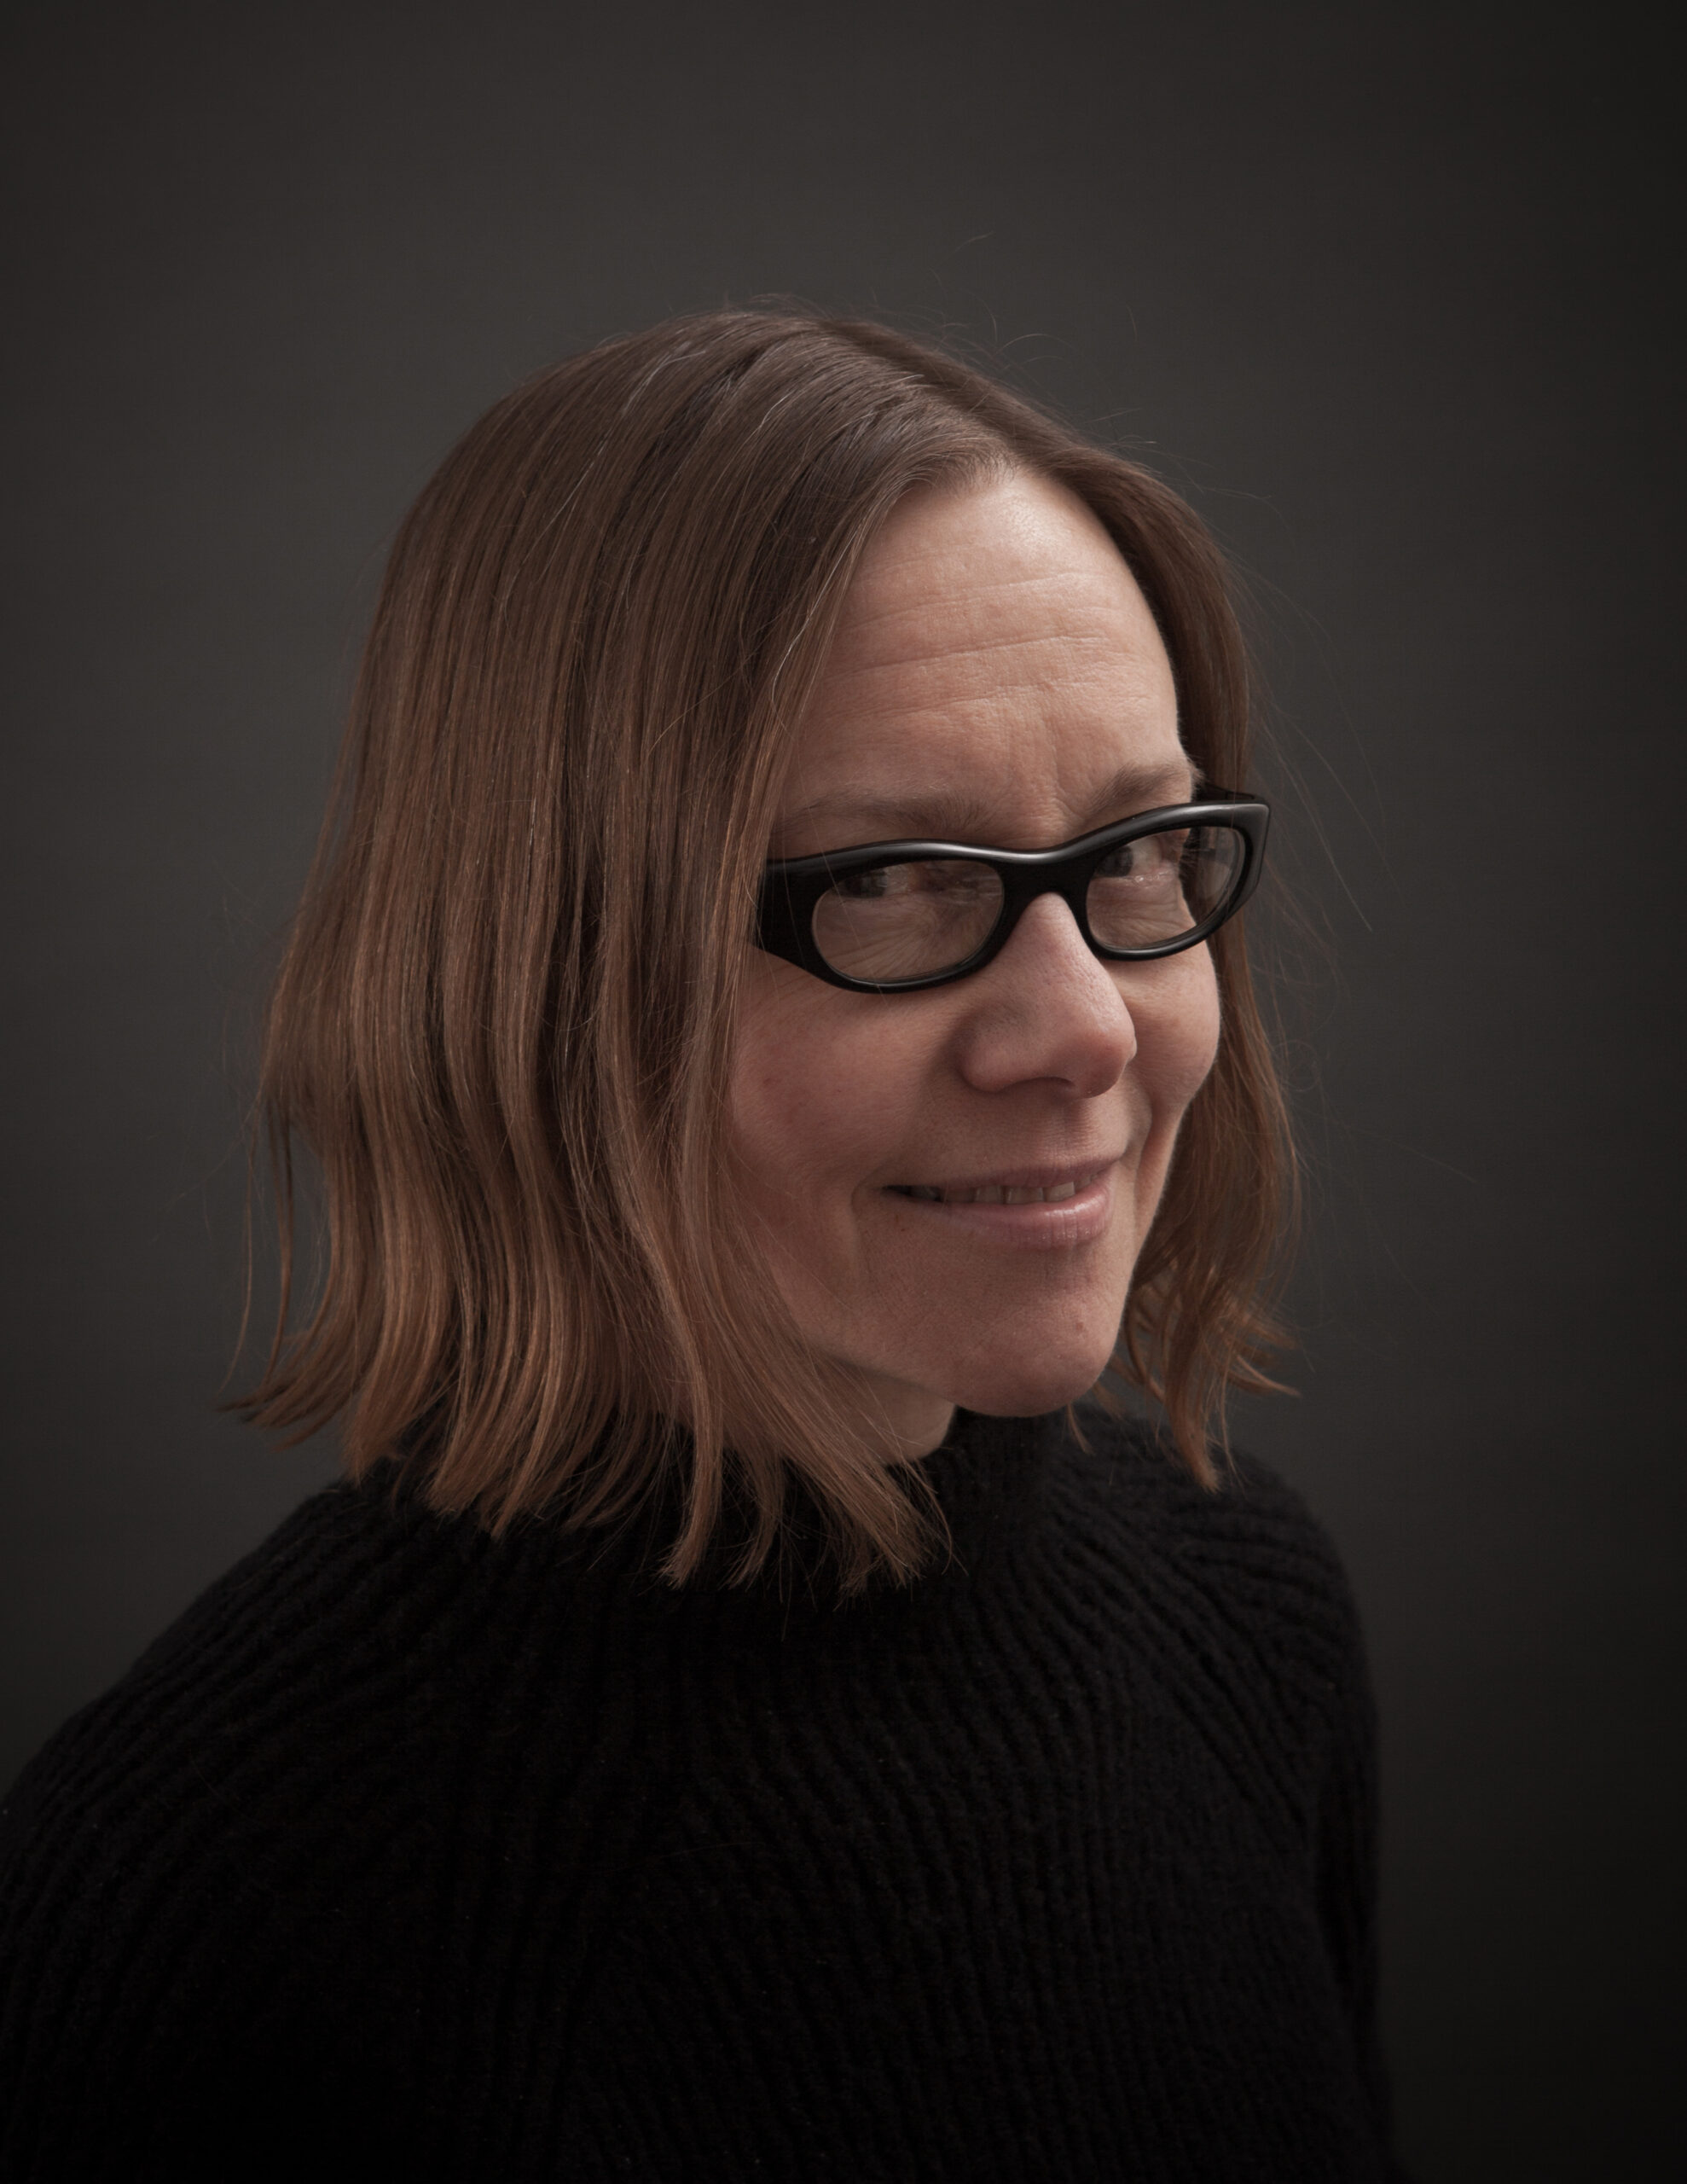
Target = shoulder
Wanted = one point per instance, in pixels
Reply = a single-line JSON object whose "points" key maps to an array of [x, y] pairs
{"points": [[351, 1638], [214, 1704], [144, 1850], [201, 1865], [332, 1673], [323, 1587]]}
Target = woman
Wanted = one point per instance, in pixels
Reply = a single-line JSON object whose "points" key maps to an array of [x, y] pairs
{"points": [[770, 1022]]}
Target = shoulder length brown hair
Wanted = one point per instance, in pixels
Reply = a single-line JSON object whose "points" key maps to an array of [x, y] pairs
{"points": [[501, 1027]]}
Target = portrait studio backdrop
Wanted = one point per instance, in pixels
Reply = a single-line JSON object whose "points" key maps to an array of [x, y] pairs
{"points": [[1385, 291]]}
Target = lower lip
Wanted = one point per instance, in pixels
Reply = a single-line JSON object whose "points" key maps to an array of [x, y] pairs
{"points": [[1036, 1227]]}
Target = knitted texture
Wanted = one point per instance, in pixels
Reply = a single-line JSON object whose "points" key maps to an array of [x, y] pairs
{"points": [[415, 1852]]}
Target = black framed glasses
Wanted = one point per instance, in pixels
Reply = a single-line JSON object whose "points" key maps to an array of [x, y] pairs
{"points": [[891, 917]]}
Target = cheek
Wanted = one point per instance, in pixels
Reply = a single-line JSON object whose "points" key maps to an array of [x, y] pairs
{"points": [[816, 1093], [1178, 1024]]}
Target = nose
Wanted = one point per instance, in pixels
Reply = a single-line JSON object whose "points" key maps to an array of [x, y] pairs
{"points": [[1046, 1009]]}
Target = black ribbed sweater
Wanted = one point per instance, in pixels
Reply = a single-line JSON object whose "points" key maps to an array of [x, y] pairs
{"points": [[410, 1852]]}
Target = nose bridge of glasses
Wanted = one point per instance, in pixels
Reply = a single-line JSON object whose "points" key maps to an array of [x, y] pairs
{"points": [[1025, 883], [1026, 876]]}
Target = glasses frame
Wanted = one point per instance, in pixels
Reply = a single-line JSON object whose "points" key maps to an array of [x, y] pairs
{"points": [[791, 886]]}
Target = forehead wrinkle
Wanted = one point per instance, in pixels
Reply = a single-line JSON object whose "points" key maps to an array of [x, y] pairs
{"points": [[973, 605], [913, 575], [1048, 665], [936, 753], [977, 687]]}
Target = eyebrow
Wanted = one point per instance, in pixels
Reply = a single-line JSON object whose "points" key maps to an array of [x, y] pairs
{"points": [[949, 817]]}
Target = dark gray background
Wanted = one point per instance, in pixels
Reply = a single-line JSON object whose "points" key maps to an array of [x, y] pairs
{"points": [[1385, 290]]}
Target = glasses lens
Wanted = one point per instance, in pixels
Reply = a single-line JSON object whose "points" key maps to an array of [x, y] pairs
{"points": [[897, 921], [1159, 886]]}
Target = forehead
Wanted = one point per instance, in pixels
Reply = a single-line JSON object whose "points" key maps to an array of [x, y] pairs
{"points": [[996, 674]]}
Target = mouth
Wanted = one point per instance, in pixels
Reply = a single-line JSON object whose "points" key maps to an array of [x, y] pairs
{"points": [[996, 1194], [1045, 1187], [1030, 1210]]}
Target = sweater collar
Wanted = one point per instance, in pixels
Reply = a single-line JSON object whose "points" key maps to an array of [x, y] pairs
{"points": [[988, 1477]]}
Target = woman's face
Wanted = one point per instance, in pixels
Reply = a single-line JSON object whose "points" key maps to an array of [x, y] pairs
{"points": [[997, 679]]}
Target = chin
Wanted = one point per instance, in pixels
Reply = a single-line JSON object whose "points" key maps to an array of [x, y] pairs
{"points": [[1009, 1387]]}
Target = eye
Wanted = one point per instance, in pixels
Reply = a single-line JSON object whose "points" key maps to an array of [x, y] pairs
{"points": [[1150, 858], [906, 921], [867, 886]]}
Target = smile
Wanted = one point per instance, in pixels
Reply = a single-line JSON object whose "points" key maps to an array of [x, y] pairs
{"points": [[987, 1194], [1055, 1192]]}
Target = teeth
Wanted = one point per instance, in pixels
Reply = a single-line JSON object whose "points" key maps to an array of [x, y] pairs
{"points": [[991, 1194]]}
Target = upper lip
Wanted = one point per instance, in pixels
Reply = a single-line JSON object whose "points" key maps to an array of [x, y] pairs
{"points": [[1016, 1179]]}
